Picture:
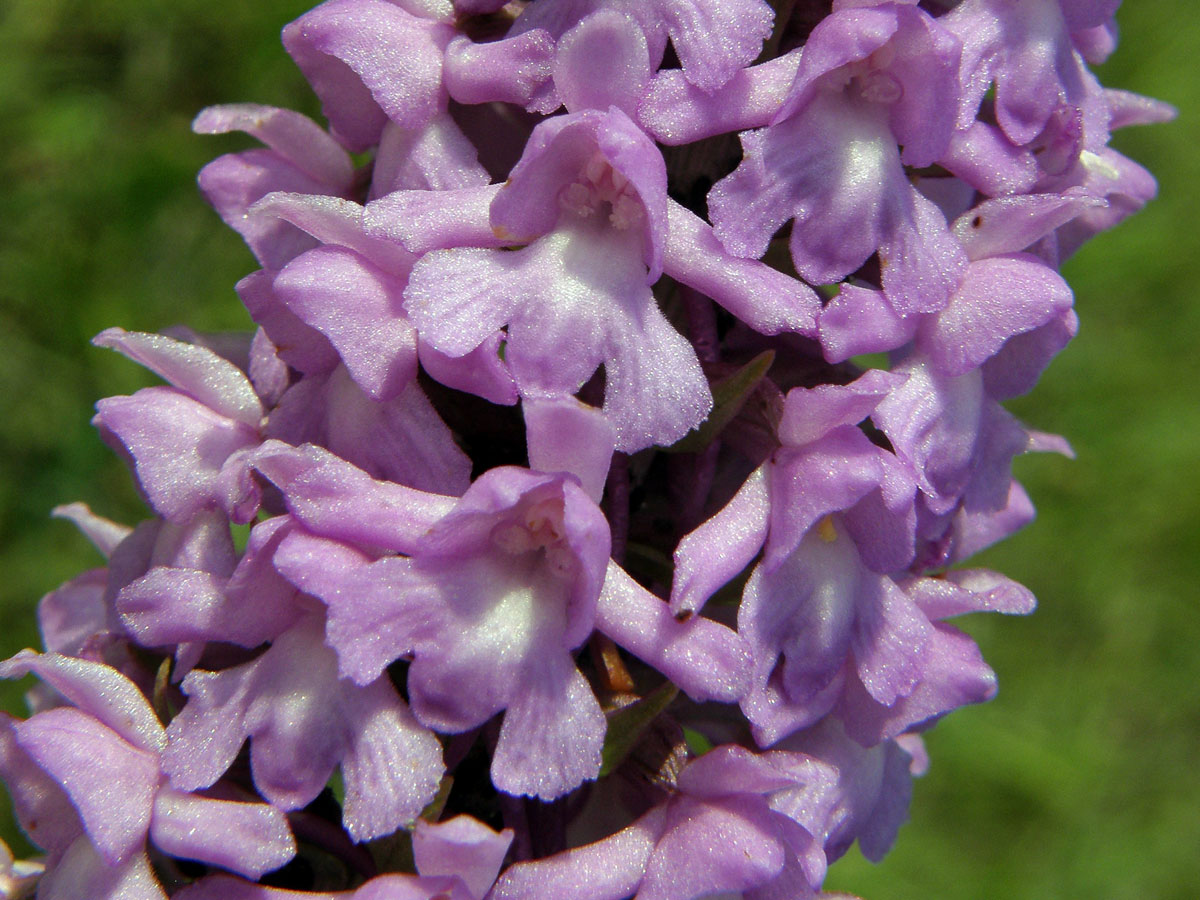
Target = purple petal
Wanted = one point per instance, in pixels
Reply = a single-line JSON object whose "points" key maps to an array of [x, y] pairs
{"points": [[999, 297], [954, 674], [268, 372], [851, 35], [437, 156], [204, 739], [434, 220], [178, 447], [704, 658], [715, 39], [332, 220], [513, 70], [677, 112], [889, 641], [750, 205], [410, 887], [921, 261], [731, 770], [204, 543], [370, 624], [1134, 109], [552, 733], [603, 61], [302, 722], [925, 63], [332, 497], [964, 591], [1012, 224], [556, 18], [745, 851], [565, 435], [459, 298], [517, 542], [723, 546], [225, 887], [1017, 365], [234, 182], [357, 307], [469, 664], [82, 874], [883, 523], [402, 439], [846, 205], [392, 766], [655, 391], [300, 346], [248, 838], [560, 151], [263, 604], [98, 690], [934, 424], [765, 299], [442, 10], [295, 137], [975, 531], [463, 847], [71, 614], [610, 869], [1125, 186], [869, 800], [860, 320], [172, 605], [194, 370], [40, 805], [810, 413], [368, 61], [578, 310], [826, 476], [985, 159], [110, 782], [1081, 14], [804, 609], [481, 372]]}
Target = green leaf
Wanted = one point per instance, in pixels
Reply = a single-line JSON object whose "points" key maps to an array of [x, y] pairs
{"points": [[393, 854], [162, 684], [649, 561], [433, 811], [626, 725], [729, 396], [697, 743], [337, 786]]}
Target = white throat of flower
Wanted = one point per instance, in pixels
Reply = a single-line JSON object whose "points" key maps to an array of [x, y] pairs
{"points": [[537, 529], [602, 190], [869, 79]]}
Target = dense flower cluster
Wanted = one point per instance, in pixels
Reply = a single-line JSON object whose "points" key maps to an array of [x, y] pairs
{"points": [[563, 531]]}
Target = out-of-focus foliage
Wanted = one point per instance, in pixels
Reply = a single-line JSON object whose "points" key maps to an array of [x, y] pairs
{"points": [[1078, 781], [101, 224]]}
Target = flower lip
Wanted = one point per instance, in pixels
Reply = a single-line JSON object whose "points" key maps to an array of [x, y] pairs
{"points": [[591, 165]]}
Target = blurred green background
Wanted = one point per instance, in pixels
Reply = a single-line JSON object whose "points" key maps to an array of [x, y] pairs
{"points": [[1081, 780]]}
